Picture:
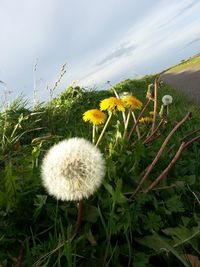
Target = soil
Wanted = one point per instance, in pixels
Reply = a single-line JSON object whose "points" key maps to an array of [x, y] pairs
{"points": [[186, 81]]}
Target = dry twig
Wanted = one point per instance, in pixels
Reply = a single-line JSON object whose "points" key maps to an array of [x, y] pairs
{"points": [[149, 169]]}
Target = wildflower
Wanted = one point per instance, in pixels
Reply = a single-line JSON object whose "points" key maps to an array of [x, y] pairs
{"points": [[112, 104], [73, 169], [167, 99], [132, 102], [151, 113], [94, 116], [146, 120]]}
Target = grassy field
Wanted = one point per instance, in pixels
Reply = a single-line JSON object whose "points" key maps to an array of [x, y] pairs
{"points": [[191, 63], [121, 226]]}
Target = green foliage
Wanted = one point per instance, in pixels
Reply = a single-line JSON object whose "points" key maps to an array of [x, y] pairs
{"points": [[117, 229]]}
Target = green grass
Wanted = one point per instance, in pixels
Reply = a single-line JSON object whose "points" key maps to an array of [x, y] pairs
{"points": [[190, 63], [153, 229]]}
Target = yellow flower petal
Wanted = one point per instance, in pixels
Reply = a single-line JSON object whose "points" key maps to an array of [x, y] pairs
{"points": [[146, 120], [94, 116], [111, 104], [132, 102], [151, 113]]}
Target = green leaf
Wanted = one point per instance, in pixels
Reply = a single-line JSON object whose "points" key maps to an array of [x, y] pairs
{"points": [[152, 221], [158, 243], [39, 202], [174, 204]]}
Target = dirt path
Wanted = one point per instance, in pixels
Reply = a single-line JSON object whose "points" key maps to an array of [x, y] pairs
{"points": [[187, 81]]}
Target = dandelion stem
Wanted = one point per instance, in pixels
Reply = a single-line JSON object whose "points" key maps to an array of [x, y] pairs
{"points": [[104, 128], [79, 216], [93, 133], [140, 115], [126, 124], [117, 96], [136, 127]]}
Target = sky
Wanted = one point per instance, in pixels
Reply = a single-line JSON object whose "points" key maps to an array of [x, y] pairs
{"points": [[98, 40]]}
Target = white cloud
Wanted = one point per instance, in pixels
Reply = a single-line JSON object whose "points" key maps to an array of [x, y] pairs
{"points": [[126, 37], [153, 42]]}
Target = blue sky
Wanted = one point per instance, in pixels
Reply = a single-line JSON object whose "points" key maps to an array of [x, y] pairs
{"points": [[99, 40]]}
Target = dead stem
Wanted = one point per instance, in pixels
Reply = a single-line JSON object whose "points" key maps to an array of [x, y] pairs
{"points": [[171, 164], [156, 83], [167, 169], [150, 137], [151, 166], [140, 115]]}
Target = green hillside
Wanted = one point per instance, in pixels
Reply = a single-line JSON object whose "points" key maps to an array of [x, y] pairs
{"points": [[191, 63]]}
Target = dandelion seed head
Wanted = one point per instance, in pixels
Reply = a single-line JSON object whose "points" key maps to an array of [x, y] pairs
{"points": [[73, 169], [167, 100]]}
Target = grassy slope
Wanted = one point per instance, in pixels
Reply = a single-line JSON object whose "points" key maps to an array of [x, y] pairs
{"points": [[190, 63]]}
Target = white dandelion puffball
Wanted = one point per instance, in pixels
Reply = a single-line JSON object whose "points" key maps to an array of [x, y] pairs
{"points": [[167, 100], [73, 169]]}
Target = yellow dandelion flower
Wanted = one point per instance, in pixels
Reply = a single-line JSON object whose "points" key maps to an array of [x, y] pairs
{"points": [[94, 116], [132, 102], [111, 104], [151, 113], [146, 120]]}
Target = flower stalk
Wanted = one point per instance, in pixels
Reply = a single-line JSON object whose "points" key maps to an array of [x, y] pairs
{"points": [[79, 216], [104, 129], [136, 127], [156, 83], [93, 133], [126, 124], [139, 117]]}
